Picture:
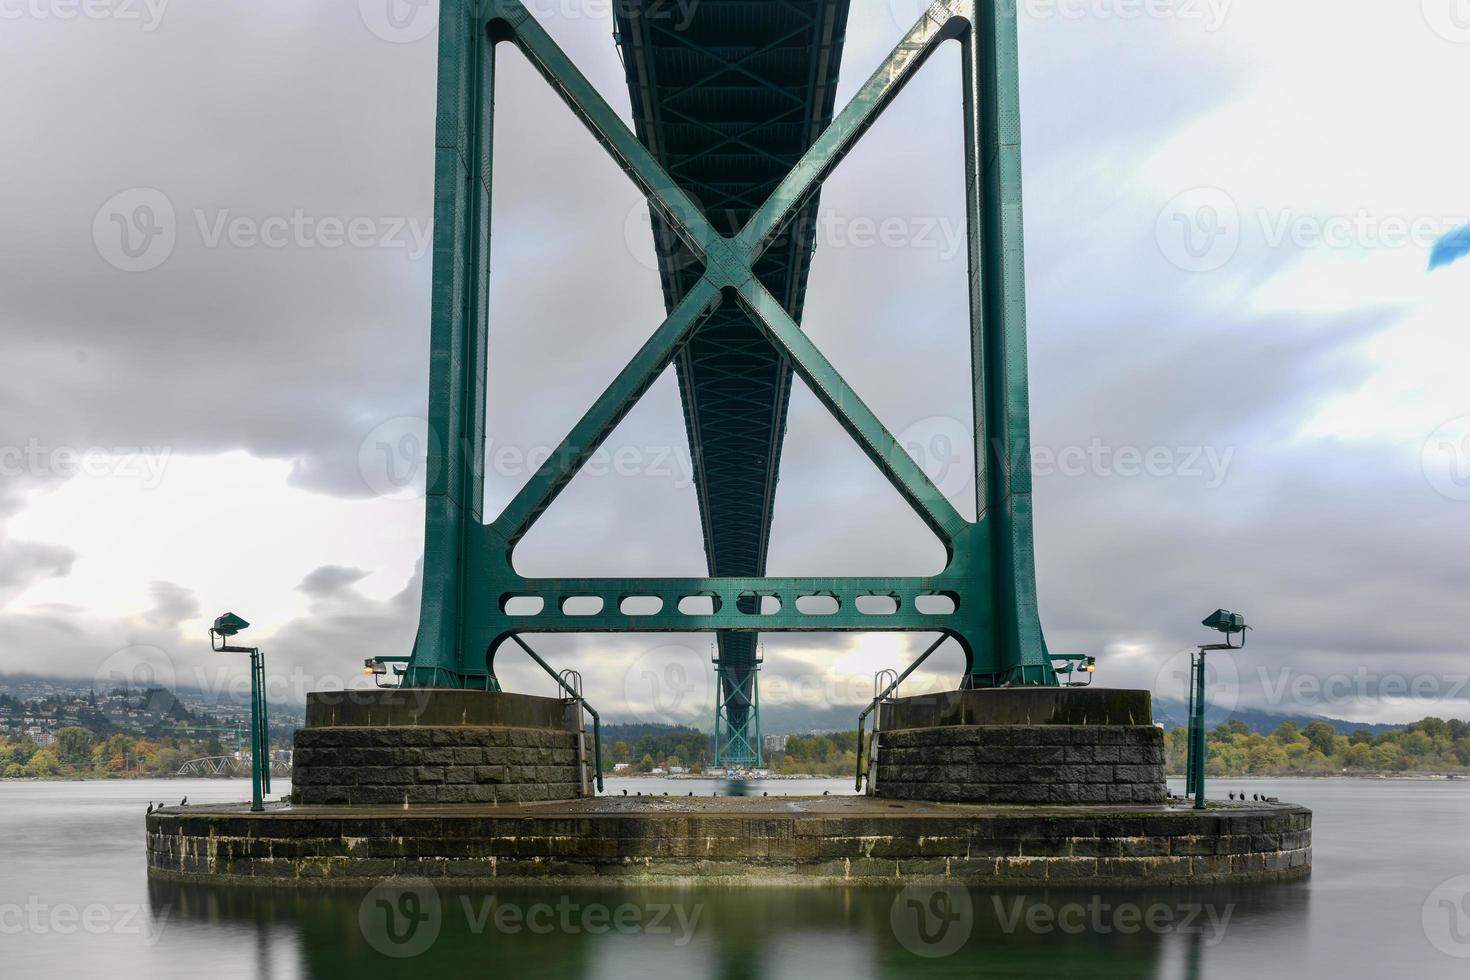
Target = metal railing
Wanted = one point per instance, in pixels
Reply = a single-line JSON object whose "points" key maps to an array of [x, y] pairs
{"points": [[564, 681], [878, 698]]}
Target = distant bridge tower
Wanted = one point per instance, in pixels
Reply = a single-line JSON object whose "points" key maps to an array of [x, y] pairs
{"points": [[733, 110]]}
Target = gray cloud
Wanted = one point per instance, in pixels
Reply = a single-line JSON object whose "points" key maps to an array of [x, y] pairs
{"points": [[1337, 550]]}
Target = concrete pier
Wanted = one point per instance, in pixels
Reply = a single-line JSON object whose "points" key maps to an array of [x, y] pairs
{"points": [[733, 840], [990, 787]]}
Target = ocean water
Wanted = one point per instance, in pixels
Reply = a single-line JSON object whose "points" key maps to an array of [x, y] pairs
{"points": [[1389, 897]]}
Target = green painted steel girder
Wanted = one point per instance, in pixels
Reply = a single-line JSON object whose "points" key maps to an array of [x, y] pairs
{"points": [[473, 598]]}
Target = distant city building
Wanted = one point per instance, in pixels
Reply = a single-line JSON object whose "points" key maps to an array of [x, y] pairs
{"points": [[773, 744]]}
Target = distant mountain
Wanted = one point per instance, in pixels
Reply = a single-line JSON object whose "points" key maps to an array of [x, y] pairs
{"points": [[1169, 712], [631, 732], [1174, 713]]}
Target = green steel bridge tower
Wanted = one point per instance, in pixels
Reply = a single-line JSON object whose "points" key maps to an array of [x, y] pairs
{"points": [[734, 130]]}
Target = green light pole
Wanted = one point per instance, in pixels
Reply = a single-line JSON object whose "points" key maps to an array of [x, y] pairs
{"points": [[225, 627], [1230, 624]]}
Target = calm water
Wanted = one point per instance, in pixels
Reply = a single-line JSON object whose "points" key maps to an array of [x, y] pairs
{"points": [[75, 902]]}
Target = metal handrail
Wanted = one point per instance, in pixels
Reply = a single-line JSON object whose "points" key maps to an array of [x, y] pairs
{"points": [[880, 697], [576, 695]]}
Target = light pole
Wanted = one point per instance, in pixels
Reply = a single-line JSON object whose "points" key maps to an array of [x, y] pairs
{"points": [[225, 627], [1228, 623]]}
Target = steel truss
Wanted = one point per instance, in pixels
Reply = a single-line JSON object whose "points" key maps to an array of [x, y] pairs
{"points": [[473, 599]]}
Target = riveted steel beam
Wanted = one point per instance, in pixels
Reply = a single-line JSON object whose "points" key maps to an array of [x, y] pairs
{"points": [[473, 598]]}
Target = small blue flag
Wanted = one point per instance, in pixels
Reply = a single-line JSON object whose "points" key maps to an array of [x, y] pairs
{"points": [[1450, 248]]}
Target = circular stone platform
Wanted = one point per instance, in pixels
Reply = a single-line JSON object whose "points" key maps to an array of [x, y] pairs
{"points": [[734, 840]]}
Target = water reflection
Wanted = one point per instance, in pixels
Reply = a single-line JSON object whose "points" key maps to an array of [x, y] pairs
{"points": [[410, 929]]}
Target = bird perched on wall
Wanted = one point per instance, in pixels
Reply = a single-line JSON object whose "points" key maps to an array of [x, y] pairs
{"points": [[1232, 796], [184, 801], [150, 806]]}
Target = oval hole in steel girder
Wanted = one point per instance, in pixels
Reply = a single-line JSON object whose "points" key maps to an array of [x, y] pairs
{"points": [[699, 604], [640, 605], [818, 604], [758, 603], [885, 604], [936, 603], [522, 605], [581, 605]]}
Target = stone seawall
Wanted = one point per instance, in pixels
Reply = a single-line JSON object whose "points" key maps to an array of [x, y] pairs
{"points": [[429, 746], [826, 841], [1011, 764], [335, 766]]}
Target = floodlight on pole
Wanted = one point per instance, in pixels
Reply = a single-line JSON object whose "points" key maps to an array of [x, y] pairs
{"points": [[225, 627]]}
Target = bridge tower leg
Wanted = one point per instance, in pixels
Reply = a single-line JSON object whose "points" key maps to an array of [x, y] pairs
{"points": [[1001, 405], [457, 340], [469, 581]]}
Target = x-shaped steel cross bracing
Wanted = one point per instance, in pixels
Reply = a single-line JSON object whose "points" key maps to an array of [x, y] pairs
{"points": [[474, 599]]}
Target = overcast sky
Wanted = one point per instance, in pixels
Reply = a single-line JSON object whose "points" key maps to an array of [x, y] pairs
{"points": [[1247, 389]]}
